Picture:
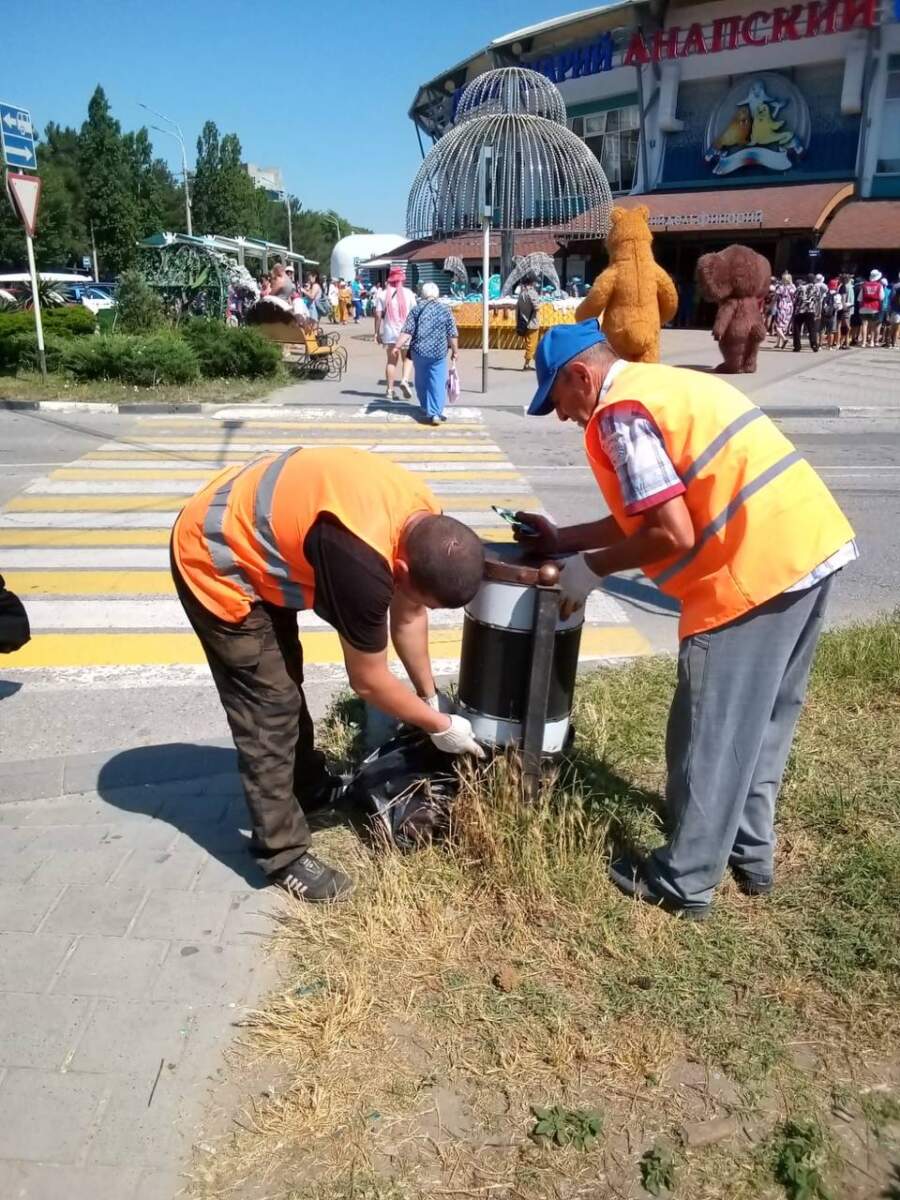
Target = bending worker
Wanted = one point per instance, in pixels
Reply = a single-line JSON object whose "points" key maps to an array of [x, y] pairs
{"points": [[361, 542], [711, 500]]}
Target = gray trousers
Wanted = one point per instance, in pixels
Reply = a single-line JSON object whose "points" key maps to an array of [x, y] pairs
{"points": [[739, 694]]}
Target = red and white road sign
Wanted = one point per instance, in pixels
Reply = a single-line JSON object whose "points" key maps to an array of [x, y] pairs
{"points": [[25, 194]]}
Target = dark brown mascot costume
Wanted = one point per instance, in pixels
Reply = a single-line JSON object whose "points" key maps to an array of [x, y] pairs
{"points": [[736, 279]]}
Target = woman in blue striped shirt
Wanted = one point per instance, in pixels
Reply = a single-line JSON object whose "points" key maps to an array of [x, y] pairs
{"points": [[430, 332]]}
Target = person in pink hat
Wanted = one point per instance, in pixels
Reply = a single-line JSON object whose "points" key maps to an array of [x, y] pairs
{"points": [[391, 312]]}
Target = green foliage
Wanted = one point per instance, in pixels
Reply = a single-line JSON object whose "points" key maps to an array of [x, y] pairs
{"points": [[111, 206], [19, 352], [567, 1126], [142, 361], [224, 197], [139, 308], [658, 1170], [798, 1159], [18, 340], [225, 351]]}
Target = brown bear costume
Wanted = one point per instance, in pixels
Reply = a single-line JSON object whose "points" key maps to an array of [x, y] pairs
{"points": [[634, 294], [736, 279]]}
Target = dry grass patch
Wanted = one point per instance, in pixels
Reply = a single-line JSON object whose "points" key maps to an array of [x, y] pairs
{"points": [[463, 987]]}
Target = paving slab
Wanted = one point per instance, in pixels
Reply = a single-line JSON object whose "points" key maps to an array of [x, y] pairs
{"points": [[123, 982], [47, 1116]]}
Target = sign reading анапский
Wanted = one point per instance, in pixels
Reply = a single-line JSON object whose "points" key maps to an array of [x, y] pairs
{"points": [[758, 28]]}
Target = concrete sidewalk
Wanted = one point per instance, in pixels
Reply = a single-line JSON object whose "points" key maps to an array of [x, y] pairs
{"points": [[785, 384], [131, 924]]}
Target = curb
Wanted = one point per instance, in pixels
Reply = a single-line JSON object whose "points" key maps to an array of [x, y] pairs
{"points": [[139, 766], [131, 408]]}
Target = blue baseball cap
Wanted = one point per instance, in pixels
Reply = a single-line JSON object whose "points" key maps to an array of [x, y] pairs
{"points": [[556, 347]]}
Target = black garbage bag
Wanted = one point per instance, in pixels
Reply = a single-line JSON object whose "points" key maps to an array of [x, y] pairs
{"points": [[406, 789], [14, 628]]}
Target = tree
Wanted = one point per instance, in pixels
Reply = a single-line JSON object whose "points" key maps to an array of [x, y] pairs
{"points": [[158, 198], [225, 199], [111, 206]]}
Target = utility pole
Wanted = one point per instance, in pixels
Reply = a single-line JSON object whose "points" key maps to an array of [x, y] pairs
{"points": [[175, 132]]}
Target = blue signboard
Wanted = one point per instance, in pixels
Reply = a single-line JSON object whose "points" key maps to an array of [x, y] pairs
{"points": [[17, 137]]}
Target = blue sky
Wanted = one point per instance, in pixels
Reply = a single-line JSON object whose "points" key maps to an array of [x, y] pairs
{"points": [[336, 124]]}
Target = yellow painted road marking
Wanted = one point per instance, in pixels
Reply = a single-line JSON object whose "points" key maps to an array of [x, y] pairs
{"points": [[85, 537], [90, 583], [234, 428], [474, 452], [172, 504], [172, 649], [86, 475]]}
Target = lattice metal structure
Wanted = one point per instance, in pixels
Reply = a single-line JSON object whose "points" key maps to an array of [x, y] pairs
{"points": [[513, 90], [538, 264], [541, 175]]}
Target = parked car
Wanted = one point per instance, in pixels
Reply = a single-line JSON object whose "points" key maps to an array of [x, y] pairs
{"points": [[93, 297]]}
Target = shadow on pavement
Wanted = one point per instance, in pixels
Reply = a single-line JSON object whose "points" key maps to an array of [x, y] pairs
{"points": [[194, 788], [645, 596], [8, 688]]}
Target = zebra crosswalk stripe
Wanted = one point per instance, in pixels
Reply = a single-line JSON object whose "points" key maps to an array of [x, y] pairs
{"points": [[86, 544]]}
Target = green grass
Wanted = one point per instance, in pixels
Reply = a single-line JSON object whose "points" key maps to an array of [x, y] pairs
{"points": [[606, 1005], [27, 386]]}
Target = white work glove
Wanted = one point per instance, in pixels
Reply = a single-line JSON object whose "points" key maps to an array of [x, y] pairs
{"points": [[458, 739], [576, 582], [439, 702]]}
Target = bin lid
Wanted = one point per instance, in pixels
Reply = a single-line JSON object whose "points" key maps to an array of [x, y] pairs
{"points": [[507, 562]]}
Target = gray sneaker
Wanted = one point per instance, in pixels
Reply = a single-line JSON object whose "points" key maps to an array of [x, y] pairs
{"points": [[629, 876], [306, 878]]}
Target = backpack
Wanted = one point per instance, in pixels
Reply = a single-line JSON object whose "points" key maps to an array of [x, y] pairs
{"points": [[870, 296], [828, 304], [406, 790], [524, 313]]}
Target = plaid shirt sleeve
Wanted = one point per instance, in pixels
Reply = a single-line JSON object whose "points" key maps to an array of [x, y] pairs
{"points": [[635, 448]]}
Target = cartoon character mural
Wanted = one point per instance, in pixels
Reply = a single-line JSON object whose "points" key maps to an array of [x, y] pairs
{"points": [[761, 124]]}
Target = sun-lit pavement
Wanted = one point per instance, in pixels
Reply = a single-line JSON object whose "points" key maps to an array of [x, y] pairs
{"points": [[130, 913]]}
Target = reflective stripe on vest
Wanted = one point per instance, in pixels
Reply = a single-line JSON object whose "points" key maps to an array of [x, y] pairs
{"points": [[221, 554], [291, 591], [717, 443], [729, 511]]}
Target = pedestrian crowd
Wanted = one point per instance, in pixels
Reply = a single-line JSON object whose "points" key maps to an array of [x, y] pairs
{"points": [[336, 300], [846, 311]]}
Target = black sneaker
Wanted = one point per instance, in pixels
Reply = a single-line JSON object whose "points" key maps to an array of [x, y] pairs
{"points": [[753, 885], [308, 879], [628, 875], [326, 794]]}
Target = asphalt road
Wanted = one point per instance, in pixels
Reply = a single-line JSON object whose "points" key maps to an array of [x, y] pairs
{"points": [[858, 457]]}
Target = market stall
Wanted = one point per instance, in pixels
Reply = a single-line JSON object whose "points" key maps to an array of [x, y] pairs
{"points": [[502, 321]]}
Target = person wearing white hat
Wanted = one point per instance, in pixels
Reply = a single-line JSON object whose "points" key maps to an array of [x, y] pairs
{"points": [[870, 297]]}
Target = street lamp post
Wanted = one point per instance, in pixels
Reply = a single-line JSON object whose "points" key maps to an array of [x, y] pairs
{"points": [[184, 167]]}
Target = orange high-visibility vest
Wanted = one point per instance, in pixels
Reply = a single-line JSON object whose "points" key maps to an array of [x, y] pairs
{"points": [[240, 539], [762, 517]]}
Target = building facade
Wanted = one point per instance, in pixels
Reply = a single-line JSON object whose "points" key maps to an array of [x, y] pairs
{"points": [[776, 126]]}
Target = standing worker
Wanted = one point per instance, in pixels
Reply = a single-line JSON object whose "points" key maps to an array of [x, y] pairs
{"points": [[711, 500], [362, 543]]}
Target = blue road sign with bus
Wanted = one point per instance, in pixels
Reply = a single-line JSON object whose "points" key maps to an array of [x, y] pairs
{"points": [[17, 136]]}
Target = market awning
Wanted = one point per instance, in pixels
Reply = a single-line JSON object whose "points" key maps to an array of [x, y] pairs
{"points": [[470, 247], [864, 225], [798, 207]]}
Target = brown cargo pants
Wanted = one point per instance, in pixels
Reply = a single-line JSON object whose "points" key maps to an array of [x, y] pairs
{"points": [[257, 667]]}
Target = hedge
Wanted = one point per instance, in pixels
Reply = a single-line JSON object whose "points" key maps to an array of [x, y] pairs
{"points": [[225, 350], [143, 361]]}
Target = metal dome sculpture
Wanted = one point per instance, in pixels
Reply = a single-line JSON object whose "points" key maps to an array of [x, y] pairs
{"points": [[511, 90], [508, 163], [540, 174]]}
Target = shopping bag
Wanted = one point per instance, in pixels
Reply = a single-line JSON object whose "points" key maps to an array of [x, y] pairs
{"points": [[453, 388]]}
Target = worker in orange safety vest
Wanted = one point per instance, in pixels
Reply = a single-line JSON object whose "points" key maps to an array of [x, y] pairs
{"points": [[719, 509], [360, 542]]}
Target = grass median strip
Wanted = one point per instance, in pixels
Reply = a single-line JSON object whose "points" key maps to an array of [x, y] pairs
{"points": [[466, 988]]}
